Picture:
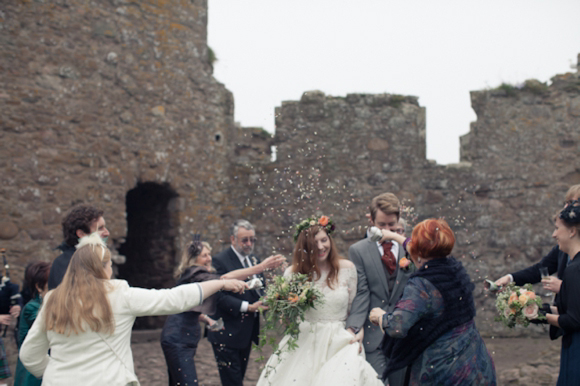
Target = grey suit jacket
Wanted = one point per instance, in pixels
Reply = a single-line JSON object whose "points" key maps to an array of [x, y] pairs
{"points": [[372, 289]]}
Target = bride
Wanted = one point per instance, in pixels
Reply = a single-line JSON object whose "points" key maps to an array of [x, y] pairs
{"points": [[327, 353]]}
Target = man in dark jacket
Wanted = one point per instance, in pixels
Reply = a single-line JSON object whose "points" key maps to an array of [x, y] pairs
{"points": [[233, 344], [81, 221]]}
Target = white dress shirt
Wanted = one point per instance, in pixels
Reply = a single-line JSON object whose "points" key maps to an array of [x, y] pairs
{"points": [[244, 260]]}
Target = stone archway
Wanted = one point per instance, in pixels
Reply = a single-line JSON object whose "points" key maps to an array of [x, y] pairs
{"points": [[152, 226]]}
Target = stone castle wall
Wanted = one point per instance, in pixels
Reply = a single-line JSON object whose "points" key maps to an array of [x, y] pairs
{"points": [[113, 103], [97, 97]]}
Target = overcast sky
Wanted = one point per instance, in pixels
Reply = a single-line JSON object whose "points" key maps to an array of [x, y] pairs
{"points": [[271, 51]]}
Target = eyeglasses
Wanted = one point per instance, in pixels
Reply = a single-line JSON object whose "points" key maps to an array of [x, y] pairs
{"points": [[246, 240]]}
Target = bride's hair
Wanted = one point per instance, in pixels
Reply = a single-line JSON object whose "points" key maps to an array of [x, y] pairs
{"points": [[305, 257]]}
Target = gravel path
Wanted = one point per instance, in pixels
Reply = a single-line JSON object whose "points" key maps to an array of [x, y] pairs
{"points": [[518, 361], [150, 362]]}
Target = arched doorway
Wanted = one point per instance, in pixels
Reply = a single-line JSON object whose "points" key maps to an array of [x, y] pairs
{"points": [[150, 250]]}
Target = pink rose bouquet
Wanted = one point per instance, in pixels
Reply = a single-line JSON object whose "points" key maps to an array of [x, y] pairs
{"points": [[518, 305]]}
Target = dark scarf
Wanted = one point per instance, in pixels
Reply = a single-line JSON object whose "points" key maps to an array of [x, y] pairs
{"points": [[197, 274], [455, 286]]}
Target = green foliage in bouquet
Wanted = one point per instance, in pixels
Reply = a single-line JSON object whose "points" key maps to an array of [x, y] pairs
{"points": [[287, 298], [518, 305]]}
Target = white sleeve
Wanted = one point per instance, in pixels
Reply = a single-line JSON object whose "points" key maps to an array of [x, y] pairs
{"points": [[351, 282], [142, 302], [34, 350]]}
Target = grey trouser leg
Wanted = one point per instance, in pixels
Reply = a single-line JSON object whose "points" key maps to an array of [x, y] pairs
{"points": [[377, 360]]}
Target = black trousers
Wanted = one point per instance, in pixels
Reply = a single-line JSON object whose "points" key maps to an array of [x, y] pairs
{"points": [[179, 340], [232, 364]]}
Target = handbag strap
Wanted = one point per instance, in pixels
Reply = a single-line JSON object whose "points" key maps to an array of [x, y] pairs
{"points": [[115, 352]]}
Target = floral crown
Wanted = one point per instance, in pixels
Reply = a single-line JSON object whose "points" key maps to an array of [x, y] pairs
{"points": [[323, 221], [94, 239], [571, 213]]}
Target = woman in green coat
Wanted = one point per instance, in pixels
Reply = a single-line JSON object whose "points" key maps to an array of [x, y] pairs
{"points": [[35, 279]]}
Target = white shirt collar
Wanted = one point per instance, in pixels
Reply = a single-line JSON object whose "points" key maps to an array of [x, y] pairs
{"points": [[240, 256]]}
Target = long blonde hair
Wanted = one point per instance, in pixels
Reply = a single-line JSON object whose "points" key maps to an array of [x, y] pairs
{"points": [[190, 255], [81, 299]]}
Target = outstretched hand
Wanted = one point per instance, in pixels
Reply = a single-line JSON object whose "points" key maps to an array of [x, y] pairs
{"points": [[233, 285], [272, 262], [503, 281]]}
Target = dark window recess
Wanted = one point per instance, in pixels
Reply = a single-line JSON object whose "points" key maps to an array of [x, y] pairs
{"points": [[152, 226]]}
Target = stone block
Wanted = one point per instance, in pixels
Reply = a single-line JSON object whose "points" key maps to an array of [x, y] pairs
{"points": [[51, 216], [8, 230], [39, 234], [378, 144], [158, 111]]}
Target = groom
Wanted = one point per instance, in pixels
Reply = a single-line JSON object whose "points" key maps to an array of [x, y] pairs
{"points": [[380, 282]]}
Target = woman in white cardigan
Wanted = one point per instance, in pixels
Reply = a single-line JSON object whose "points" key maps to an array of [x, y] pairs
{"points": [[86, 321]]}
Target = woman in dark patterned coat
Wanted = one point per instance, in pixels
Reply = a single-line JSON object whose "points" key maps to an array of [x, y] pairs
{"points": [[433, 321]]}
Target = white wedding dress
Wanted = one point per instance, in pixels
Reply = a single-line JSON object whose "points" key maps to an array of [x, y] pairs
{"points": [[324, 355]]}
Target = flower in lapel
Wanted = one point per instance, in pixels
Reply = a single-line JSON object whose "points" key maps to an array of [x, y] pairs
{"points": [[406, 264], [254, 260]]}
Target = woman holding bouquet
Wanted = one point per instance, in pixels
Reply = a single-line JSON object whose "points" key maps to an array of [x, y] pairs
{"points": [[567, 318], [437, 341], [324, 354]]}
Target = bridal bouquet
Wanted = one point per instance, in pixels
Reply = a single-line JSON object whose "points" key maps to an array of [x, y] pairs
{"points": [[288, 298], [518, 305]]}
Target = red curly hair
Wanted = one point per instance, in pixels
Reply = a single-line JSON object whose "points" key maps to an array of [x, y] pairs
{"points": [[432, 238]]}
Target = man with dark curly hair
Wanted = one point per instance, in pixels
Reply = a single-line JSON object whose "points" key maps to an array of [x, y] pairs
{"points": [[82, 220]]}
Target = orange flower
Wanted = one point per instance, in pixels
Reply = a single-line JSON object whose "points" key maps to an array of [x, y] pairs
{"points": [[513, 298], [323, 221], [293, 299], [404, 262]]}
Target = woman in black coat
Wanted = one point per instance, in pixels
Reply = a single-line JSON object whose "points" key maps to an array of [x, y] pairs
{"points": [[182, 332], [567, 318]]}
